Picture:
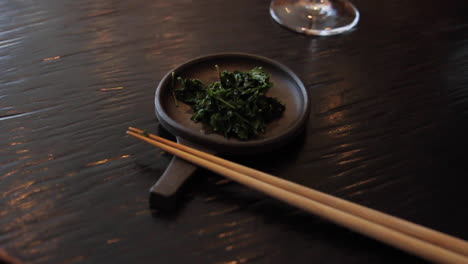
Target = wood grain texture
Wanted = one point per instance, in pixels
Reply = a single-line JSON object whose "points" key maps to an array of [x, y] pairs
{"points": [[388, 129]]}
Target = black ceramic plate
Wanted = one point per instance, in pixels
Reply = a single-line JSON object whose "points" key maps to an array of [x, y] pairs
{"points": [[286, 87], [176, 119]]}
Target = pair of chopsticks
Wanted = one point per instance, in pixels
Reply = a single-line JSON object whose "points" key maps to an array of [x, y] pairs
{"points": [[415, 239]]}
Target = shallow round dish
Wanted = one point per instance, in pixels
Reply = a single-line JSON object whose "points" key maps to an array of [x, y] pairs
{"points": [[287, 87]]}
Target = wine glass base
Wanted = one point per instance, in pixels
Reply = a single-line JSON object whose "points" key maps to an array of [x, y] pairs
{"points": [[323, 18]]}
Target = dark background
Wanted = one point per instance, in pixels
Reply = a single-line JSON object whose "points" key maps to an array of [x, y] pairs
{"points": [[388, 129]]}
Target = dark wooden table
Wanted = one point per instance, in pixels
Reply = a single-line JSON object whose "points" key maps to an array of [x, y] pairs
{"points": [[388, 129]]}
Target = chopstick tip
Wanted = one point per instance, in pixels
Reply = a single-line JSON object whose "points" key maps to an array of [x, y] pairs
{"points": [[136, 130]]}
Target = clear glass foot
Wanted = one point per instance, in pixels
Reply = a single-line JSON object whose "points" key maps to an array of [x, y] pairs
{"points": [[315, 17]]}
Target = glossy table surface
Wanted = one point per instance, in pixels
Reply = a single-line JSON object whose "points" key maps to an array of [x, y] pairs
{"points": [[388, 129]]}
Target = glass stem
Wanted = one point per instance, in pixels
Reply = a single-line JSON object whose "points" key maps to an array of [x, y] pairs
{"points": [[319, 7]]}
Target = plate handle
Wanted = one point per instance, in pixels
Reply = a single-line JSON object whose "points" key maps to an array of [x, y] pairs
{"points": [[165, 193]]}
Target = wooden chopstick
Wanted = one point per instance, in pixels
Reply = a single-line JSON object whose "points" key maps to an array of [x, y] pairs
{"points": [[418, 231], [419, 246]]}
